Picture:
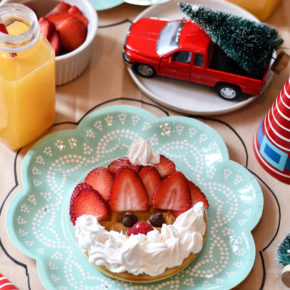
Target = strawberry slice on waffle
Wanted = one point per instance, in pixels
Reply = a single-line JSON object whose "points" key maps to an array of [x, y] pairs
{"points": [[86, 200], [196, 196], [128, 193], [120, 163], [151, 180], [165, 166], [173, 193], [100, 179]]}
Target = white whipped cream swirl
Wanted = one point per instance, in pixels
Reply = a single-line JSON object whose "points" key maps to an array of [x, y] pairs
{"points": [[137, 254], [140, 153]]}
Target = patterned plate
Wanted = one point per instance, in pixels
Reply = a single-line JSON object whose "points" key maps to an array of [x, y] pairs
{"points": [[107, 4], [38, 216]]}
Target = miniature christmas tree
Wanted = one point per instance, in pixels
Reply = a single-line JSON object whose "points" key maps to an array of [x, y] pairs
{"points": [[283, 257], [249, 43], [283, 253]]}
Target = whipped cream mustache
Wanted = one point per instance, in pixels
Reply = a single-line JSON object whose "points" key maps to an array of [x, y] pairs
{"points": [[137, 254]]}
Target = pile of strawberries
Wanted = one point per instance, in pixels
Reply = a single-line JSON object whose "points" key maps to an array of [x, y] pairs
{"points": [[123, 186], [65, 27]]}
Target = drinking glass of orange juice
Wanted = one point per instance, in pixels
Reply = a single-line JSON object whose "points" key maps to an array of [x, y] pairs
{"points": [[27, 77]]}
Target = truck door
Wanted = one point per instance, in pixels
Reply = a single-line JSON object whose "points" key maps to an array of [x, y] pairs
{"points": [[176, 66], [197, 73]]}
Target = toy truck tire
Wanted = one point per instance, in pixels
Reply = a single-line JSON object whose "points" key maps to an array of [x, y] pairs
{"points": [[228, 91], [144, 70]]}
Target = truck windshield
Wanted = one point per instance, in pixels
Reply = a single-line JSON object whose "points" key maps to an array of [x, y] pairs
{"points": [[169, 37]]}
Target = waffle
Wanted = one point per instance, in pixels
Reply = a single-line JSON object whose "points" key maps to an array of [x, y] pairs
{"points": [[116, 225]]}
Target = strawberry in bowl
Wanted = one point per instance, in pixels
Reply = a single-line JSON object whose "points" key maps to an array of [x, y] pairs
{"points": [[72, 42], [65, 27]]}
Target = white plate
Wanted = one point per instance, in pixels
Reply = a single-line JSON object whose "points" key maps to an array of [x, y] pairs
{"points": [[184, 96], [107, 4]]}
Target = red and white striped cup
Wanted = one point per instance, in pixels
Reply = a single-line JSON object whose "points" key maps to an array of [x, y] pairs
{"points": [[272, 140], [5, 284]]}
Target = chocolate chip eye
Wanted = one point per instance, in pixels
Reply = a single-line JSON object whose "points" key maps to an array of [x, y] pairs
{"points": [[157, 219], [129, 219]]}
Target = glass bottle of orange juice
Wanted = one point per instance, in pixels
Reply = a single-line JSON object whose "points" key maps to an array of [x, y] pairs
{"points": [[27, 77], [262, 9]]}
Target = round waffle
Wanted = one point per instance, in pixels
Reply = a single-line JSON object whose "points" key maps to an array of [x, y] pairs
{"points": [[116, 225]]}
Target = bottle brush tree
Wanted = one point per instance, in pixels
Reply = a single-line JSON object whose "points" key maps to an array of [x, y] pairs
{"points": [[283, 252], [283, 257], [251, 44]]}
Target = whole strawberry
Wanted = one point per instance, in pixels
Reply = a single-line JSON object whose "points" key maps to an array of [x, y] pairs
{"points": [[140, 228]]}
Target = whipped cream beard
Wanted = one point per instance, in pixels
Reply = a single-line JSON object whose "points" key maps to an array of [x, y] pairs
{"points": [[143, 254]]}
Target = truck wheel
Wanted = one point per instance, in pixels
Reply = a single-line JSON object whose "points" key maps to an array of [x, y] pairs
{"points": [[144, 70], [228, 91]]}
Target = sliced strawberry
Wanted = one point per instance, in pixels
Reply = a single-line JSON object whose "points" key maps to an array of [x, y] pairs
{"points": [[196, 196], [121, 163], [101, 180], [59, 18], [165, 166], [81, 18], [55, 42], [128, 192], [173, 193], [46, 27], [3, 28], [60, 7], [86, 200], [74, 9], [72, 33], [151, 180], [76, 12]]}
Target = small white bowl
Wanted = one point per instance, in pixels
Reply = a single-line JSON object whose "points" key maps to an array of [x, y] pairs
{"points": [[70, 65]]}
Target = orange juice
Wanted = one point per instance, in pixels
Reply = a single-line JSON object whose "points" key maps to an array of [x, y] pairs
{"points": [[27, 87], [262, 9]]}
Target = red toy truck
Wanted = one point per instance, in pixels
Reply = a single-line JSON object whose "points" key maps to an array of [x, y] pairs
{"points": [[180, 49]]}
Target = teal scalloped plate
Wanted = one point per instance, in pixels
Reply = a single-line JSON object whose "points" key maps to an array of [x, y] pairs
{"points": [[38, 216], [107, 4]]}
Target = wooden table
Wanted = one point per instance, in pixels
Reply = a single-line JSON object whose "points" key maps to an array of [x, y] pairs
{"points": [[106, 82]]}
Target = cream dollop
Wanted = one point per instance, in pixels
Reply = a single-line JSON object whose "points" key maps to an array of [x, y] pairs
{"points": [[140, 153], [150, 254]]}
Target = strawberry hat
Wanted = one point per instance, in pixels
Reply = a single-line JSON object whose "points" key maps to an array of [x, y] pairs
{"points": [[272, 140]]}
